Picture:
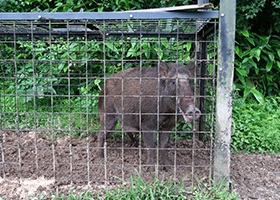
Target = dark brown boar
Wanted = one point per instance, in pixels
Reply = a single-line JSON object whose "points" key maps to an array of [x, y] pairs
{"points": [[126, 98]]}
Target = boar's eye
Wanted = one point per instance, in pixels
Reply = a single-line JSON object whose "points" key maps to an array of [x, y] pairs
{"points": [[173, 82]]}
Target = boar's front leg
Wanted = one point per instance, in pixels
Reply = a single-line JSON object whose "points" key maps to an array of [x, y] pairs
{"points": [[111, 122], [134, 139], [163, 144]]}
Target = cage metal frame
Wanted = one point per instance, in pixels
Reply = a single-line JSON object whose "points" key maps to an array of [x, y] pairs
{"points": [[123, 15]]}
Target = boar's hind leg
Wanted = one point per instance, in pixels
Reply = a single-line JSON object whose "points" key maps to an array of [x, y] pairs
{"points": [[149, 140], [111, 122], [163, 143], [131, 131]]}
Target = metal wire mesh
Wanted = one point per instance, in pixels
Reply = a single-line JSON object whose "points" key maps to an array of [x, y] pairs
{"points": [[51, 76]]}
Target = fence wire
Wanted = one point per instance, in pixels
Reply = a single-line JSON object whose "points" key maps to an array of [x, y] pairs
{"points": [[52, 73]]}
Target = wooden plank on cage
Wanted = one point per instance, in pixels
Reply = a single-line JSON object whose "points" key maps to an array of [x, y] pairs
{"points": [[177, 8]]}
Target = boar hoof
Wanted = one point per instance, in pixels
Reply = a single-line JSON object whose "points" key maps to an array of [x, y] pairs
{"points": [[100, 154], [150, 169], [166, 168]]}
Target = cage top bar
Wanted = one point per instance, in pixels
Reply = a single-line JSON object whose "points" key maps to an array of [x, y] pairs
{"points": [[108, 15]]}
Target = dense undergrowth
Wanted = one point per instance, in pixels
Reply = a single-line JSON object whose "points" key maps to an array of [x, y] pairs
{"points": [[257, 126]]}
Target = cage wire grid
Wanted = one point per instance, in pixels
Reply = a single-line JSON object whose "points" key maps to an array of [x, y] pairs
{"points": [[51, 74]]}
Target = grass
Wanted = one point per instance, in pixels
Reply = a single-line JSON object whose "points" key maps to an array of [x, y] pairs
{"points": [[86, 195], [155, 189], [257, 127]]}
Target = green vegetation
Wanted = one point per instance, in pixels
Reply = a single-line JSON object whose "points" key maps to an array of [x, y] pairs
{"points": [[257, 126], [257, 59], [155, 189]]}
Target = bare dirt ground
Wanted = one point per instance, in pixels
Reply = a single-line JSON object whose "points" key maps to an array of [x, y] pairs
{"points": [[253, 176]]}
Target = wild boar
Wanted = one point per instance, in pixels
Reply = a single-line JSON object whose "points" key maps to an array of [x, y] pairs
{"points": [[148, 104]]}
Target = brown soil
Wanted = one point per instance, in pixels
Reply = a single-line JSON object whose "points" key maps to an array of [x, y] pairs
{"points": [[254, 176]]}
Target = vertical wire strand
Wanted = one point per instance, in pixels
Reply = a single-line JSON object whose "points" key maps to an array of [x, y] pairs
{"points": [[140, 101], [52, 107], [87, 103], [1, 131], [105, 111], [195, 86], [34, 100], [122, 103], [158, 97], [2, 122], [16, 100], [176, 100], [213, 103], [69, 108]]}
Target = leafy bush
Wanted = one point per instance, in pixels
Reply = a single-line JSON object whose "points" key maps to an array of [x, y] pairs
{"points": [[257, 65], [257, 59], [257, 127], [86, 5]]}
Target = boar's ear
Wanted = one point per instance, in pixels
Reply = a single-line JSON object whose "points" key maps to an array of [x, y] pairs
{"points": [[191, 68], [164, 69]]}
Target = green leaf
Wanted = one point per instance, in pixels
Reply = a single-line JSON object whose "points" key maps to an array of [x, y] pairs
{"points": [[268, 66], [253, 63], [189, 46], [241, 71], [270, 55], [258, 54], [245, 33], [257, 70], [59, 4], [264, 40], [165, 44], [238, 52], [245, 60], [97, 81], [130, 52], [112, 47], [127, 5], [269, 77], [239, 86], [237, 49], [251, 40], [258, 96], [65, 68], [241, 78], [278, 64], [186, 56], [278, 52], [49, 89], [247, 52], [246, 93], [249, 84]]}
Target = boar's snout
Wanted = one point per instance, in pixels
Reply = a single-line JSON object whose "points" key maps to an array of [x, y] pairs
{"points": [[191, 113]]}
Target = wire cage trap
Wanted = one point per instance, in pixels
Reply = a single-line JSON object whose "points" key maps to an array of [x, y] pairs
{"points": [[53, 69]]}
